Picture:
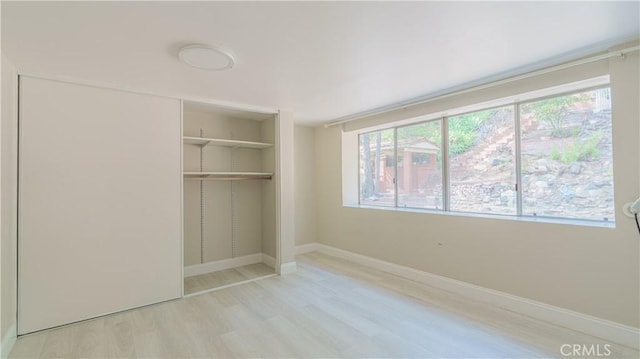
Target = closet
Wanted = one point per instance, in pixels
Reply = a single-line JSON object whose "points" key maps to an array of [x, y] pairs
{"points": [[229, 196], [99, 215], [128, 199]]}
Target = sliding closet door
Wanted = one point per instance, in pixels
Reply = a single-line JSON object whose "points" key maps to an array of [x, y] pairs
{"points": [[100, 199]]}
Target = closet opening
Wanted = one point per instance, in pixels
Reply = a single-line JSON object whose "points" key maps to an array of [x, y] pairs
{"points": [[229, 197]]}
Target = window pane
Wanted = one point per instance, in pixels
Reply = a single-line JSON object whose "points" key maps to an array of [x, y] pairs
{"points": [[567, 163], [377, 168], [481, 162], [420, 166]]}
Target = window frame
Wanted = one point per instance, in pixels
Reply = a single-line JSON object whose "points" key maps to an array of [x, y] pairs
{"points": [[513, 101]]}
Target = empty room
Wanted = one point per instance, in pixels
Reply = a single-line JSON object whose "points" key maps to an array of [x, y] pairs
{"points": [[320, 179]]}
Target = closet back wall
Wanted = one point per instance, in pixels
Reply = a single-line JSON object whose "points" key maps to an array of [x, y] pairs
{"points": [[208, 223]]}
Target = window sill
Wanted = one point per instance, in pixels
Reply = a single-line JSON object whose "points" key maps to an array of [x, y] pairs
{"points": [[575, 222]]}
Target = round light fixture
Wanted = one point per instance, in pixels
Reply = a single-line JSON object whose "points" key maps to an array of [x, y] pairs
{"points": [[207, 57]]}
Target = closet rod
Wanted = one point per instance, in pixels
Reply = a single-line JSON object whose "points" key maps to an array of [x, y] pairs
{"points": [[229, 178]]}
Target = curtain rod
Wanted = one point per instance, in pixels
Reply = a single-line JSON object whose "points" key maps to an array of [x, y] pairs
{"points": [[396, 106]]}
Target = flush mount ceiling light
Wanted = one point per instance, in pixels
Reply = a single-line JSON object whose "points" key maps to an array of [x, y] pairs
{"points": [[207, 57]]}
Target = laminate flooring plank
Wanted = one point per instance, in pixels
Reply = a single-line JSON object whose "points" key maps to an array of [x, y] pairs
{"points": [[255, 270], [367, 347], [119, 342], [145, 319], [190, 285], [89, 339], [303, 342], [205, 335], [175, 334], [203, 282], [259, 301], [241, 345], [296, 298], [329, 308], [224, 297], [399, 347], [441, 304], [150, 345], [413, 326], [58, 343], [405, 300], [465, 310], [338, 310], [333, 332], [256, 334], [29, 346], [210, 309], [211, 280], [297, 283]]}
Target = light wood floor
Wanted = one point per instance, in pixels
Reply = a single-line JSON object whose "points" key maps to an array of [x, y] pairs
{"points": [[328, 308], [221, 278]]}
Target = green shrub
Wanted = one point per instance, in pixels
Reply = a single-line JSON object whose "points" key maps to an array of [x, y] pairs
{"points": [[554, 111], [463, 130], [579, 150]]}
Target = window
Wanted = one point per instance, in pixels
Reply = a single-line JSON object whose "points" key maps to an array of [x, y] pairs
{"points": [[482, 163], [567, 167], [419, 149], [544, 157], [377, 168]]}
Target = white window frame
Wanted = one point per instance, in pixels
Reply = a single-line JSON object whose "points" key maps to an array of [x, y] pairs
{"points": [[353, 137]]}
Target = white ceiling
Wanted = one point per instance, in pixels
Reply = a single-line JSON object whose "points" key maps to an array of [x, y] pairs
{"points": [[321, 60]]}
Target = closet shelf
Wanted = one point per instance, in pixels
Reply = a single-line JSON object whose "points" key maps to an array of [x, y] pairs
{"points": [[203, 141], [230, 176]]}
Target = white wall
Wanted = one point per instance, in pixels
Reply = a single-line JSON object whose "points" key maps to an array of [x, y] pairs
{"points": [[269, 200], [586, 269], [285, 191], [8, 196], [305, 184]]}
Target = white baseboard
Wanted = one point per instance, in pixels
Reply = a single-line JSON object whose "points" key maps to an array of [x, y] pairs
{"points": [[268, 260], [306, 248], [209, 267], [598, 327], [286, 268], [8, 341]]}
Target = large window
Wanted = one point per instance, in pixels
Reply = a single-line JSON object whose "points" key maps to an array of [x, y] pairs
{"points": [[546, 157]]}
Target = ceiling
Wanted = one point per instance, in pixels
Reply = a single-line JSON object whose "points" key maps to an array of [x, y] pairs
{"points": [[320, 60]]}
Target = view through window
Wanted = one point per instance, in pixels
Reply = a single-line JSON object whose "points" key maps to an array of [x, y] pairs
{"points": [[560, 160], [567, 166], [482, 162], [420, 166]]}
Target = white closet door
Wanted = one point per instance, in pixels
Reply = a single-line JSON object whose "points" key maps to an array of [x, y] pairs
{"points": [[100, 198]]}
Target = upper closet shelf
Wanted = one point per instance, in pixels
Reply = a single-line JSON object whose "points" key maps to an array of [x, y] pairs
{"points": [[202, 141]]}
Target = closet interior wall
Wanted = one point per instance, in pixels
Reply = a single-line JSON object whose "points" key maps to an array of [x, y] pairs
{"points": [[226, 219]]}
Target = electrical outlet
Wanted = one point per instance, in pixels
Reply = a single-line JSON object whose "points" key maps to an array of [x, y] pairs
{"points": [[632, 208]]}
